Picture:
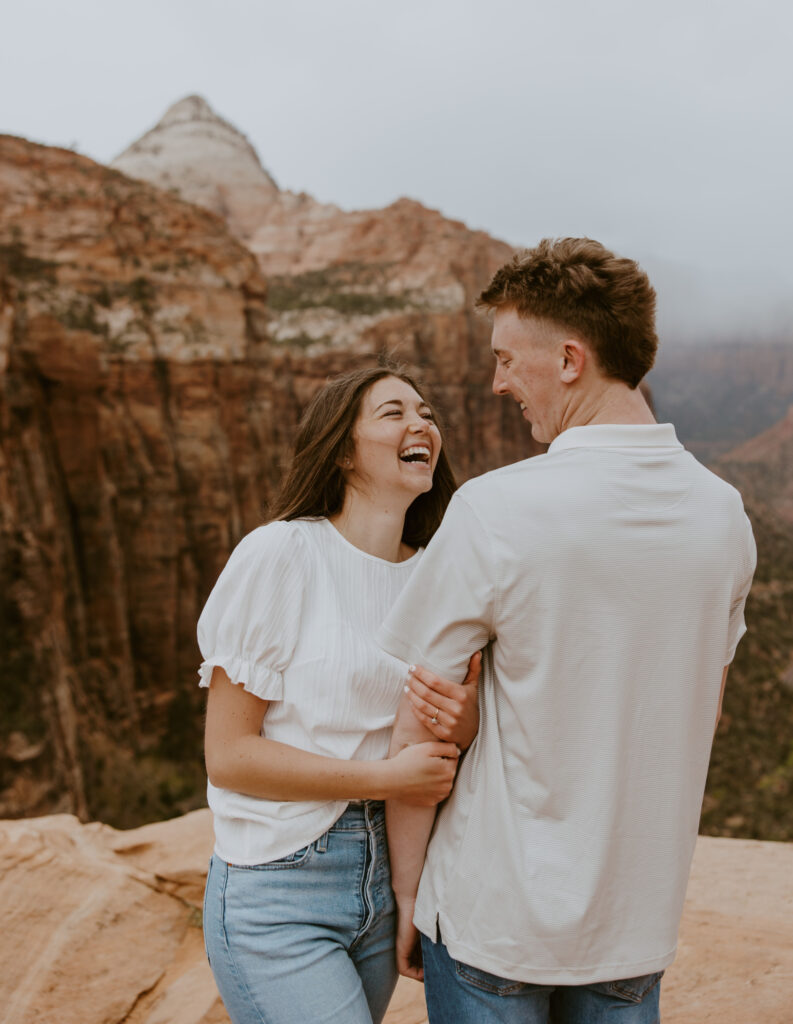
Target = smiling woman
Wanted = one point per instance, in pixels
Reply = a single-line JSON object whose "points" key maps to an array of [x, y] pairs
{"points": [[323, 466], [301, 705]]}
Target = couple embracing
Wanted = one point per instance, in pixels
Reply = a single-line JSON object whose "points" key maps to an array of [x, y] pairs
{"points": [[568, 622]]}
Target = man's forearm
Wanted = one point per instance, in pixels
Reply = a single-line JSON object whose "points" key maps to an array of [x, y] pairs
{"points": [[408, 826]]}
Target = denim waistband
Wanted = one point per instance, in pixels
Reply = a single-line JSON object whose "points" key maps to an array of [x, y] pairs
{"points": [[360, 815]]}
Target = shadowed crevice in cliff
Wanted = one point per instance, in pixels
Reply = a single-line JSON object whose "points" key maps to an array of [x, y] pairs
{"points": [[147, 418]]}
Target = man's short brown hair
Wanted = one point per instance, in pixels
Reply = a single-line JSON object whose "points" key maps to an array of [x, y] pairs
{"points": [[607, 301]]}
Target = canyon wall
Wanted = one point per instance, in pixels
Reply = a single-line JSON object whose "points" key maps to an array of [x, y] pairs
{"points": [[158, 341], [750, 782], [146, 412]]}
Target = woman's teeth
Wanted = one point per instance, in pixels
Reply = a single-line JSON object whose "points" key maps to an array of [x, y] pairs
{"points": [[416, 453]]}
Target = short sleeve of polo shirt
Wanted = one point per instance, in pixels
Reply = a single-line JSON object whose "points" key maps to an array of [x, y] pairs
{"points": [[447, 610], [249, 625], [737, 624]]}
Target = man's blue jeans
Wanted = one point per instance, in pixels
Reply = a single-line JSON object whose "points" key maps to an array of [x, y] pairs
{"points": [[459, 994]]}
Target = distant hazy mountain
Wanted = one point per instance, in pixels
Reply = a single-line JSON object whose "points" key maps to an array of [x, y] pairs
{"points": [[719, 395]]}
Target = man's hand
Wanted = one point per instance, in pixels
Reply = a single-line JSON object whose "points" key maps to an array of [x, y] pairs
{"points": [[449, 710], [408, 942]]}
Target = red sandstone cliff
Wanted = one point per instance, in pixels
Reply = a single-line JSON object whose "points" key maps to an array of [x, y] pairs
{"points": [[763, 468], [151, 375], [354, 280], [751, 773], [146, 409]]}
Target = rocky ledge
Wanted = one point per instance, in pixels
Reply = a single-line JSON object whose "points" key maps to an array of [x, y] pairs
{"points": [[104, 927]]}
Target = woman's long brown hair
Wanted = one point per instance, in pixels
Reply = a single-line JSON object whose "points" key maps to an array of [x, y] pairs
{"points": [[314, 484]]}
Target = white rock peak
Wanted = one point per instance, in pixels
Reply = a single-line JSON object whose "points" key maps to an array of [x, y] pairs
{"points": [[194, 151]]}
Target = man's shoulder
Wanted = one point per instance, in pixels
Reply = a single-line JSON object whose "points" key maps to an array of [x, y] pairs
{"points": [[520, 476], [715, 484]]}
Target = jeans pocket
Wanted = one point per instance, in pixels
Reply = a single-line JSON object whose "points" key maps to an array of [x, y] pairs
{"points": [[289, 860], [491, 982], [632, 990]]}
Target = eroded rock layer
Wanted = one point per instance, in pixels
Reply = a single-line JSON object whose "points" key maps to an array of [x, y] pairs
{"points": [[145, 416]]}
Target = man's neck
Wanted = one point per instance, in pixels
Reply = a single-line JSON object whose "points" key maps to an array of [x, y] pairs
{"points": [[608, 402]]}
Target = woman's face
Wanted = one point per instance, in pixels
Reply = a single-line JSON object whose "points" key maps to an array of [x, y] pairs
{"points": [[396, 442]]}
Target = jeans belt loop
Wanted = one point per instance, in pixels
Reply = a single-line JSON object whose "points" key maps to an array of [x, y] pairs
{"points": [[322, 843]]}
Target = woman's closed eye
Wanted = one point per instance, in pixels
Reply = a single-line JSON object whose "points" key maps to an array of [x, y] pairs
{"points": [[398, 412]]}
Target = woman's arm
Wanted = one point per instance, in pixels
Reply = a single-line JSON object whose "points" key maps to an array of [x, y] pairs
{"points": [[240, 759]]}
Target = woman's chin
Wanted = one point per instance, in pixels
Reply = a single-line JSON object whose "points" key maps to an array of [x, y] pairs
{"points": [[423, 486]]}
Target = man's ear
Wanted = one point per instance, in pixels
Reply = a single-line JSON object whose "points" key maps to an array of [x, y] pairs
{"points": [[573, 359]]}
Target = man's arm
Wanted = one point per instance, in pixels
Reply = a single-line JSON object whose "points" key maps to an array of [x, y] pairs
{"points": [[408, 826], [446, 611], [442, 618]]}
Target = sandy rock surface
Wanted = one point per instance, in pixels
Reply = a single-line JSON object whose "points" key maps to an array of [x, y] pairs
{"points": [[104, 927]]}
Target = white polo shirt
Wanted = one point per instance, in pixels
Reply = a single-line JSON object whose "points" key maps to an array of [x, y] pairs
{"points": [[608, 578]]}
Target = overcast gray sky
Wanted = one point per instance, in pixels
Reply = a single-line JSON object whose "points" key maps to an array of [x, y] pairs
{"points": [[662, 129]]}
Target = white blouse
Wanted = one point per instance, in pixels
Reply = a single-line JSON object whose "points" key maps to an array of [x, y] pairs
{"points": [[292, 618]]}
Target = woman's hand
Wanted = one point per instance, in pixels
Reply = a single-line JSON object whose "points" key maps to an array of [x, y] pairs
{"points": [[422, 774], [449, 710]]}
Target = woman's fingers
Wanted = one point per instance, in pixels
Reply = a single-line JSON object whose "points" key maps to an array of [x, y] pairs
{"points": [[439, 723], [431, 683], [448, 710], [425, 707], [440, 694], [436, 749]]}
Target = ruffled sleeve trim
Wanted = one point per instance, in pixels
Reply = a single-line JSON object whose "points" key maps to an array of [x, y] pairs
{"points": [[260, 680]]}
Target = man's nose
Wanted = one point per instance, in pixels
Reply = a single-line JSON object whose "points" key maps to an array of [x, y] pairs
{"points": [[499, 386]]}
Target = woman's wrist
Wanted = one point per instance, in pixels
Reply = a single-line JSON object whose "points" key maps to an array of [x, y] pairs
{"points": [[380, 784]]}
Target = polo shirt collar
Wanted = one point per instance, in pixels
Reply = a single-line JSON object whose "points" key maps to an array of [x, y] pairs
{"points": [[617, 435]]}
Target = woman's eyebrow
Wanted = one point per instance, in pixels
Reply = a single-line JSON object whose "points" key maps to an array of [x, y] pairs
{"points": [[389, 401]]}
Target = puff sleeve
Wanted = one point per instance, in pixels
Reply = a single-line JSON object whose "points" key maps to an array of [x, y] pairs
{"points": [[250, 623]]}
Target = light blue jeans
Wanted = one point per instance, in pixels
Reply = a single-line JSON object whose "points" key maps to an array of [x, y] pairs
{"points": [[308, 939], [460, 994]]}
